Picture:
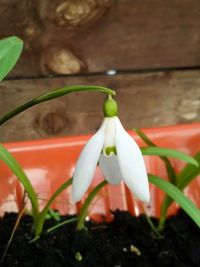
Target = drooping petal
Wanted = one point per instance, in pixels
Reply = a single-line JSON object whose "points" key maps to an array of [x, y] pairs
{"points": [[87, 163], [110, 168], [131, 163]]}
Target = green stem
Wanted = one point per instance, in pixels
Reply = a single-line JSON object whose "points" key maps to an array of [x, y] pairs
{"points": [[41, 218], [151, 224], [163, 212], [84, 209], [153, 227], [54, 94]]}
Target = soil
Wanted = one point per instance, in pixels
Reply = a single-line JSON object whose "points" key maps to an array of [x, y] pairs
{"points": [[125, 242]]}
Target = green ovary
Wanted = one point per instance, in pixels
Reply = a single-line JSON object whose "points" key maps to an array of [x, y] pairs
{"points": [[110, 107]]}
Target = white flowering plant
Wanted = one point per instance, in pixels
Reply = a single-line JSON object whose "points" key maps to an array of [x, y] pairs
{"points": [[115, 151]]}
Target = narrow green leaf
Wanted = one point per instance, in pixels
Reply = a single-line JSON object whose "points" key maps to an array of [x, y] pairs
{"points": [[87, 202], [10, 50], [166, 152], [188, 173], [10, 161], [54, 94], [186, 204], [58, 191], [61, 224], [144, 137], [170, 170], [42, 215]]}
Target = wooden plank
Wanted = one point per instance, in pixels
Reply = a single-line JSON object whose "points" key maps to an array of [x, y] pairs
{"points": [[145, 100], [74, 36]]}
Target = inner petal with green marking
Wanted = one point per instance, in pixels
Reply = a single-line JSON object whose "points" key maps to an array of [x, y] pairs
{"points": [[110, 150]]}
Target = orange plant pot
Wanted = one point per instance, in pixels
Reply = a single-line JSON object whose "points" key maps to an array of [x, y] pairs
{"points": [[48, 163]]}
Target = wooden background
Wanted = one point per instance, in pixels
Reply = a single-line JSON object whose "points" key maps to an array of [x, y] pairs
{"points": [[153, 47]]}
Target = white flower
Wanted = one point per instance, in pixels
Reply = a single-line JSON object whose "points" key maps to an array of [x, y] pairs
{"points": [[119, 158]]}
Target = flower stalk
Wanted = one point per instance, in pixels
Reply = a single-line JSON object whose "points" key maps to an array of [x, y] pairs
{"points": [[54, 94]]}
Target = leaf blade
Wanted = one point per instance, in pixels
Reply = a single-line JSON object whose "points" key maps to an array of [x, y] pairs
{"points": [[188, 173], [166, 152], [10, 50], [170, 170], [186, 204], [10, 161]]}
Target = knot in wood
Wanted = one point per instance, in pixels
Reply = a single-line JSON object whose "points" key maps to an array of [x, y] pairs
{"points": [[63, 61], [30, 30], [73, 12], [53, 123]]}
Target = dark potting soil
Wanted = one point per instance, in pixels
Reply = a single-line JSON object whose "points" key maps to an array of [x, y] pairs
{"points": [[125, 242]]}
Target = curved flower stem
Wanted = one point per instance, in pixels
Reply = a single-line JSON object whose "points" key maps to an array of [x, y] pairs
{"points": [[41, 217], [54, 94], [84, 209]]}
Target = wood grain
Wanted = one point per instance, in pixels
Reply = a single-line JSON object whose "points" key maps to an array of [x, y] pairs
{"points": [[76, 36], [145, 100]]}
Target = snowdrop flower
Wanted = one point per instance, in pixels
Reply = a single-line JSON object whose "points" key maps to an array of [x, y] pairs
{"points": [[118, 155]]}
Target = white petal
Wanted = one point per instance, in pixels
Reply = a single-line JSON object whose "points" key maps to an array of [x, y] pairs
{"points": [[110, 133], [87, 163], [131, 163], [110, 168]]}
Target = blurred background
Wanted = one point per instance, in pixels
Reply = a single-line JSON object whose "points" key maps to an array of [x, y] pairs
{"points": [[148, 51]]}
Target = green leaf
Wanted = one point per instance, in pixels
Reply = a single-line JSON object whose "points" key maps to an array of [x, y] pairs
{"points": [[188, 173], [10, 161], [144, 137], [61, 224], [186, 204], [86, 205], [54, 94], [166, 152], [41, 217], [10, 50], [170, 170]]}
